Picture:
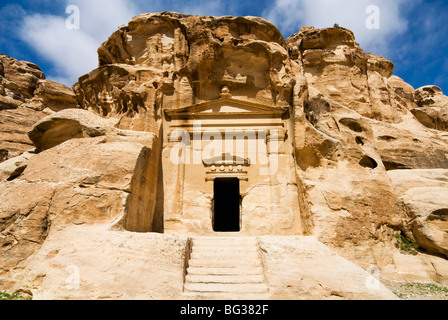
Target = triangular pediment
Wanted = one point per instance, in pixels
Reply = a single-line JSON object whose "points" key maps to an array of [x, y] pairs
{"points": [[226, 106]]}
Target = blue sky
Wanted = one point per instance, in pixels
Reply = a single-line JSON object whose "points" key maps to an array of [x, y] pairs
{"points": [[412, 33]]}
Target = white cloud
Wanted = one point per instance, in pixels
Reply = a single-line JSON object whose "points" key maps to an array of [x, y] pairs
{"points": [[100, 18], [195, 7], [74, 52], [70, 51], [290, 15], [287, 15]]}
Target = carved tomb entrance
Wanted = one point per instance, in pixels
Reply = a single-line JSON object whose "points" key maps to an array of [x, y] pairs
{"points": [[226, 205], [228, 167]]}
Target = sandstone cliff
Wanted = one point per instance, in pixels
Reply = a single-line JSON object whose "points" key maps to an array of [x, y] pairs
{"points": [[26, 97], [360, 128], [370, 151]]}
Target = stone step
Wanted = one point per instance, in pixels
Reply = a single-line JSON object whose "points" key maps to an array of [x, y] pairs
{"points": [[207, 278], [225, 266], [223, 241], [227, 287], [232, 270], [224, 262], [213, 248], [223, 255], [229, 296]]}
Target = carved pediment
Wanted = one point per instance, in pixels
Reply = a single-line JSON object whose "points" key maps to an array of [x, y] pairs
{"points": [[226, 106]]}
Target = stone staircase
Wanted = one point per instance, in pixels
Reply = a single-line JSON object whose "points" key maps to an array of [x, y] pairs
{"points": [[225, 267]]}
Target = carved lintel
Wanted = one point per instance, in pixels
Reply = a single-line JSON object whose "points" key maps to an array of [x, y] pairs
{"points": [[213, 177]]}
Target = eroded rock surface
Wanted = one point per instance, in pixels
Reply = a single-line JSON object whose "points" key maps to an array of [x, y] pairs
{"points": [[360, 125], [25, 98], [423, 194], [167, 61], [432, 110], [363, 155], [85, 180]]}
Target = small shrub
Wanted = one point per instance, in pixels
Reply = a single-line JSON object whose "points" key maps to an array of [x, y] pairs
{"points": [[405, 244], [14, 296], [412, 290]]}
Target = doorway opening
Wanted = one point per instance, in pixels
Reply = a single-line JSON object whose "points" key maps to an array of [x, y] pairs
{"points": [[226, 215]]}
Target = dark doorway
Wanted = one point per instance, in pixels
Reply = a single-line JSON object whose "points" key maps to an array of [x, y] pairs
{"points": [[226, 215]]}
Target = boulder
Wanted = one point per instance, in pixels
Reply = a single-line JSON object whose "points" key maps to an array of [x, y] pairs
{"points": [[81, 181], [432, 110], [25, 98], [14, 127], [52, 95], [14, 167], [339, 69], [423, 194], [21, 76], [68, 124]]}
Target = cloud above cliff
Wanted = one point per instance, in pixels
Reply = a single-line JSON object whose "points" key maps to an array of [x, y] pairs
{"points": [[72, 52], [411, 33], [290, 15]]}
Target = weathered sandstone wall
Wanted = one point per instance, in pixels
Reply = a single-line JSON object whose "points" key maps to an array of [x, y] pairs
{"points": [[368, 152]]}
